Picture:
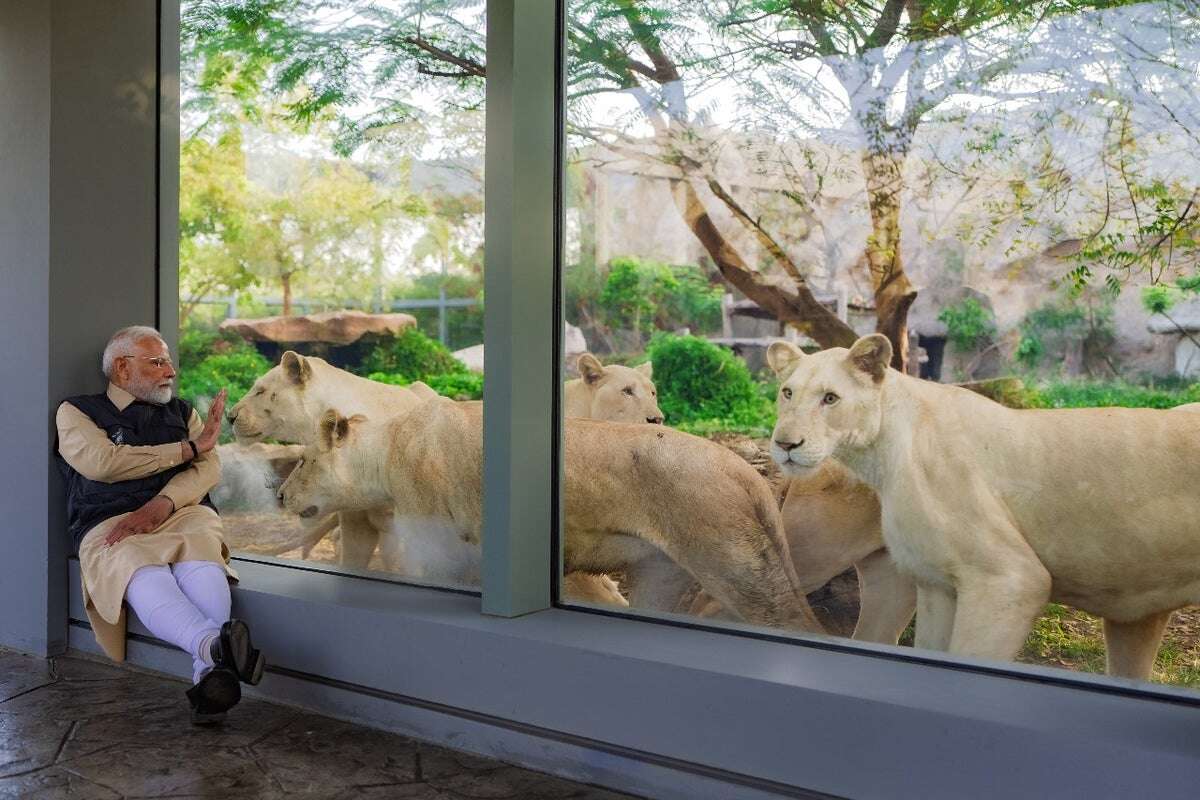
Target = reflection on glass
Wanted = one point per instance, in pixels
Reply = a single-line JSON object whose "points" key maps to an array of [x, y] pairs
{"points": [[1009, 198], [331, 255]]}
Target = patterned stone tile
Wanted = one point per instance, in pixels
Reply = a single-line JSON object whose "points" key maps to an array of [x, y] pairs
{"points": [[246, 723], [173, 771], [316, 751], [440, 762], [54, 784], [29, 743], [19, 674], [89, 699]]}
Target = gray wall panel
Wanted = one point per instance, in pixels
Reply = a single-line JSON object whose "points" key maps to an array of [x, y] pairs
{"points": [[78, 212], [24, 303]]}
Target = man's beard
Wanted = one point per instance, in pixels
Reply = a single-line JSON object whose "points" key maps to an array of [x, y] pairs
{"points": [[150, 392]]}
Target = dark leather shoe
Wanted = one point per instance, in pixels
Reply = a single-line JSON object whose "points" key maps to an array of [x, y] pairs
{"points": [[234, 651], [217, 692]]}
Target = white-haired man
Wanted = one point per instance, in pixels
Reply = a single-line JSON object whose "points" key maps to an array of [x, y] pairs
{"points": [[138, 465]]}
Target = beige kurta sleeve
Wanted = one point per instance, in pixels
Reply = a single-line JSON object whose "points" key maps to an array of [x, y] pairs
{"points": [[189, 486], [88, 450]]}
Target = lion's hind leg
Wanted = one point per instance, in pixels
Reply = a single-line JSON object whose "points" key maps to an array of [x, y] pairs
{"points": [[1132, 646]]}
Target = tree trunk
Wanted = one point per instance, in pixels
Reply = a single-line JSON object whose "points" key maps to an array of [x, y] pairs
{"points": [[894, 293], [286, 279], [797, 307]]}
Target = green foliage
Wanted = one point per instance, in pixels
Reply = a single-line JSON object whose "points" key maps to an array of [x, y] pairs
{"points": [[1047, 331], [1079, 394], [705, 388], [411, 356], [1158, 299], [644, 295], [969, 325], [235, 370], [197, 344], [456, 386]]}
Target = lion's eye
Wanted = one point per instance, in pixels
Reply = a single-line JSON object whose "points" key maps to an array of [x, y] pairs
{"points": [[260, 391], [829, 399], [627, 390], [786, 392]]}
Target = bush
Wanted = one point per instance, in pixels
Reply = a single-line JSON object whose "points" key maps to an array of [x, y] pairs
{"points": [[197, 344], [968, 324], [1075, 394], [644, 295], [411, 356], [235, 370], [462, 386], [705, 388]]}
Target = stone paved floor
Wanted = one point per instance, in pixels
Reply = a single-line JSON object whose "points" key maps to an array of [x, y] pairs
{"points": [[73, 728]]}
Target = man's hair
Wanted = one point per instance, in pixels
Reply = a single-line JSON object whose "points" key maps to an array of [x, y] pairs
{"points": [[122, 343]]}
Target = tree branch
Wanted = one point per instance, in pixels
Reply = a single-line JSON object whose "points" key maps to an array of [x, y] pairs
{"points": [[469, 67]]}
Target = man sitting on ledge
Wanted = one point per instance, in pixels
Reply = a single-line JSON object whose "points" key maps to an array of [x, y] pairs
{"points": [[138, 466]]}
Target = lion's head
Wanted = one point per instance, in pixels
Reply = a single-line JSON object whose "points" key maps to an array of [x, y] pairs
{"points": [[274, 406], [323, 481], [620, 394], [827, 400]]}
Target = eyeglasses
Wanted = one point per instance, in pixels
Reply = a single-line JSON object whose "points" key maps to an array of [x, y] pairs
{"points": [[159, 363]]}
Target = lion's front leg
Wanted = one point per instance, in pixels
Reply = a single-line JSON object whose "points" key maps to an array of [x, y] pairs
{"points": [[359, 538], [887, 599], [935, 617], [1132, 646], [995, 612]]}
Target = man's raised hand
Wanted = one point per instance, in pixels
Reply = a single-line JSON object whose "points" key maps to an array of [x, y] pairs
{"points": [[207, 439]]}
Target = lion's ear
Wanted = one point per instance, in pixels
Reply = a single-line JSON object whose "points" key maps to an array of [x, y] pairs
{"points": [[327, 430], [872, 355], [296, 367], [590, 369], [646, 369], [783, 358]]}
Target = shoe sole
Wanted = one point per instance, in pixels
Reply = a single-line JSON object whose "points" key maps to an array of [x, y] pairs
{"points": [[217, 692], [247, 662]]}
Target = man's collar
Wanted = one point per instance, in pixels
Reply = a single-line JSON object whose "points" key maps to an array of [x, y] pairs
{"points": [[119, 397]]}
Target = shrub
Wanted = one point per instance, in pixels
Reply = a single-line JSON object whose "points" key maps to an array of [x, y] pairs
{"points": [[235, 370], [461, 386], [1076, 394], [705, 388], [411, 356], [968, 324], [644, 295], [197, 344]]}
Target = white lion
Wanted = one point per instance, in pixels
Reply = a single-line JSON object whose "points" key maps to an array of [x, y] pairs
{"points": [[637, 497], [994, 511]]}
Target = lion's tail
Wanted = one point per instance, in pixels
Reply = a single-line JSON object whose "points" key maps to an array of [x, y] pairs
{"points": [[771, 520]]}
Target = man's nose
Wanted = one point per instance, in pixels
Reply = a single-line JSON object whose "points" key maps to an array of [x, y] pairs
{"points": [[788, 447]]}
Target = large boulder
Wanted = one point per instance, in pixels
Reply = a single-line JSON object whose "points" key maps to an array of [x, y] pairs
{"points": [[332, 327], [574, 345]]}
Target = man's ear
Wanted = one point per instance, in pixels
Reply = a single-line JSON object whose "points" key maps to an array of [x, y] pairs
{"points": [[646, 369], [590, 369], [872, 355], [783, 358], [296, 367]]}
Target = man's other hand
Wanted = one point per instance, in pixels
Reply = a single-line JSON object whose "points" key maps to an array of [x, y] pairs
{"points": [[145, 519], [207, 439]]}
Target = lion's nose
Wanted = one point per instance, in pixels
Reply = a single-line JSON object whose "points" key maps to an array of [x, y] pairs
{"points": [[788, 447], [655, 420]]}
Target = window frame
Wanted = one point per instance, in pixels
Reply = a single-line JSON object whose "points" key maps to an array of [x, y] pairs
{"points": [[717, 712]]}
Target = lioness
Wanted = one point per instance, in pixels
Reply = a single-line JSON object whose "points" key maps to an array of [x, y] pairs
{"points": [[994, 511], [285, 403], [635, 495], [615, 393]]}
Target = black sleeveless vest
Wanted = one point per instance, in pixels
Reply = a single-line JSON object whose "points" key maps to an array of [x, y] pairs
{"points": [[91, 502]]}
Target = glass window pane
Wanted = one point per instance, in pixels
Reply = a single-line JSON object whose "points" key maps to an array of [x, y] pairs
{"points": [[331, 273], [791, 228]]}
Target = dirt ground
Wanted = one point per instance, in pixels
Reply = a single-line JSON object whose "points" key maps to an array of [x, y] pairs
{"points": [[1062, 637]]}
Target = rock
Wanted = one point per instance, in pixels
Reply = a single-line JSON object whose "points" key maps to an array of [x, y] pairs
{"points": [[333, 327], [574, 345], [471, 356]]}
